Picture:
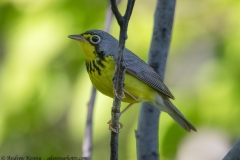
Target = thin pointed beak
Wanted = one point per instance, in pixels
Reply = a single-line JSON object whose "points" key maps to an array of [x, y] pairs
{"points": [[76, 37]]}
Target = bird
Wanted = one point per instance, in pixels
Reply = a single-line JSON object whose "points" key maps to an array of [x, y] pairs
{"points": [[141, 83]]}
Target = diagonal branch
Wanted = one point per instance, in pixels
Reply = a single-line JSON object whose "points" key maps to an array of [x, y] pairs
{"points": [[116, 12], [233, 154], [109, 17], [118, 78]]}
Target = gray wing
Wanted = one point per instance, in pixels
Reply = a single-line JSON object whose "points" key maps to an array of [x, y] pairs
{"points": [[145, 73]]}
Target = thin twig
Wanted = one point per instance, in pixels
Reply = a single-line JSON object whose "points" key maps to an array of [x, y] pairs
{"points": [[109, 17], [120, 71], [148, 125], [87, 141]]}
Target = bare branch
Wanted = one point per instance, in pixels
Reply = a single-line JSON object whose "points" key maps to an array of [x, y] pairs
{"points": [[148, 125], [116, 12], [87, 141], [120, 71], [109, 17]]}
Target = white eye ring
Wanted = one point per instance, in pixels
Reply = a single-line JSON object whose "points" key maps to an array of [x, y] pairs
{"points": [[95, 39]]}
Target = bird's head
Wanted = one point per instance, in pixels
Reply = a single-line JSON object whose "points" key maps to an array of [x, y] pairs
{"points": [[96, 44]]}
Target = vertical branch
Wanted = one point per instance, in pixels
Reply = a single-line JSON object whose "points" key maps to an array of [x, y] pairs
{"points": [[233, 154], [118, 78], [147, 133], [87, 141]]}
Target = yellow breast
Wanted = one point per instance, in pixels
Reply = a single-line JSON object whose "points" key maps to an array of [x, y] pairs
{"points": [[101, 77]]}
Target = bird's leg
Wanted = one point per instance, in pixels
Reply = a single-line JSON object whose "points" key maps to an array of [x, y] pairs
{"points": [[136, 98], [125, 109], [120, 124]]}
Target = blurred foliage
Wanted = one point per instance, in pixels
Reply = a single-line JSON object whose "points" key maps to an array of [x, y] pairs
{"points": [[44, 87]]}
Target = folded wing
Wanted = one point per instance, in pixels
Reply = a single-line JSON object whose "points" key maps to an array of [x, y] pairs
{"points": [[141, 70]]}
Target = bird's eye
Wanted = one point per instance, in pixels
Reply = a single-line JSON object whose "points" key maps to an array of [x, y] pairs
{"points": [[95, 39]]}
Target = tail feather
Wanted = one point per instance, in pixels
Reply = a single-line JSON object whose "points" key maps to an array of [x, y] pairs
{"points": [[167, 106]]}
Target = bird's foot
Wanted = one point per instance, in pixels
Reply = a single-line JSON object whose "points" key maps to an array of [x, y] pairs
{"points": [[112, 129], [117, 95]]}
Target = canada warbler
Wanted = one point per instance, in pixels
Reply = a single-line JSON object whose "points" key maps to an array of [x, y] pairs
{"points": [[141, 84]]}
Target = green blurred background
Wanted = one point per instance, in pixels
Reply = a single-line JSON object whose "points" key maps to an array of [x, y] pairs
{"points": [[44, 87]]}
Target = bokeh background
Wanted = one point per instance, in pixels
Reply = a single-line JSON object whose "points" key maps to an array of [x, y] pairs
{"points": [[44, 88]]}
